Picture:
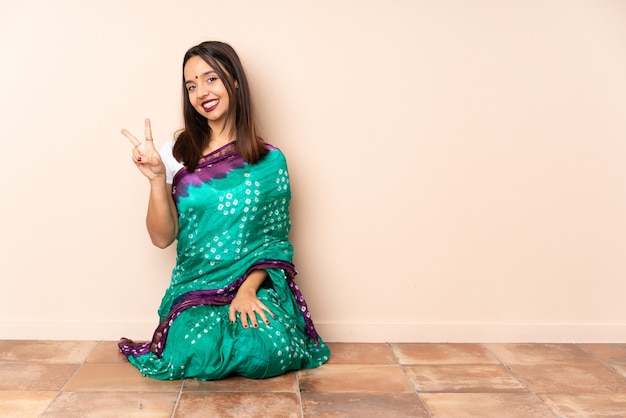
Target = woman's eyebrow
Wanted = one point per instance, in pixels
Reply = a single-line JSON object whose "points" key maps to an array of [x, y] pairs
{"points": [[203, 75]]}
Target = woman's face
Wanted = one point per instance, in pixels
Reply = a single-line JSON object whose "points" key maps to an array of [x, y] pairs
{"points": [[207, 93]]}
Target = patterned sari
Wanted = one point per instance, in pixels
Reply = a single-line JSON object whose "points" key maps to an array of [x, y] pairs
{"points": [[233, 218]]}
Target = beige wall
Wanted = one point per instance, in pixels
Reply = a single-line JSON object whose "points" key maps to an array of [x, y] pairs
{"points": [[457, 165]]}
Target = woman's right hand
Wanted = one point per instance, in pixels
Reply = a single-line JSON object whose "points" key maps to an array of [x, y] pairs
{"points": [[145, 155]]}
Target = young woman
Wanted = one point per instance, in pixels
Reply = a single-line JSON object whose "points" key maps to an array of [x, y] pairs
{"points": [[232, 306]]}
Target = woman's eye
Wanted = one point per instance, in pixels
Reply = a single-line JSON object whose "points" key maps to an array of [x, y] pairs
{"points": [[211, 79], [191, 88]]}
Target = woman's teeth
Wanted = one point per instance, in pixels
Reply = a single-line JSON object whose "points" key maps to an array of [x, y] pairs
{"points": [[209, 105]]}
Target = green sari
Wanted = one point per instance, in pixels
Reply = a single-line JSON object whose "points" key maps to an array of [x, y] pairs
{"points": [[233, 218]]}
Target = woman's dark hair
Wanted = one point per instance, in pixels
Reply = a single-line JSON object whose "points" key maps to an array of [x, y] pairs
{"points": [[194, 137]]}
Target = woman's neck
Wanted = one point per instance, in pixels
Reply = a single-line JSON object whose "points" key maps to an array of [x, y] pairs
{"points": [[219, 138]]}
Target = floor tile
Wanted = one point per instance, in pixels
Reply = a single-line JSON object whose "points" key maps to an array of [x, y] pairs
{"points": [[34, 376], [342, 378], [112, 404], [360, 353], [408, 353], [582, 378], [463, 378], [106, 352], [362, 405], [45, 351], [92, 378], [538, 353], [285, 383], [198, 404], [114, 377], [471, 405], [608, 353], [20, 404], [587, 405]]}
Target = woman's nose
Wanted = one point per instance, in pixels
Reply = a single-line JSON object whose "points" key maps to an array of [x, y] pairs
{"points": [[203, 91]]}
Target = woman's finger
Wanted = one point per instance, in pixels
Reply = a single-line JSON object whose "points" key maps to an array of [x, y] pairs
{"points": [[148, 130], [266, 309], [131, 138], [232, 314], [263, 317], [252, 316], [244, 319]]}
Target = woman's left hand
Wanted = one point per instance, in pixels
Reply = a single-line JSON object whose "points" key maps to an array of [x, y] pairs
{"points": [[248, 305]]}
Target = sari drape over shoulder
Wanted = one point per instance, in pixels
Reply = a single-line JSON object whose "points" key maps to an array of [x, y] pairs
{"points": [[233, 218]]}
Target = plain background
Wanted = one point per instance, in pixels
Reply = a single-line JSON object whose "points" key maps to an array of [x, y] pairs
{"points": [[457, 166]]}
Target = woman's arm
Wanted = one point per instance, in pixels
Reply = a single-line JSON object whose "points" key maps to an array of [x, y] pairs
{"points": [[162, 217]]}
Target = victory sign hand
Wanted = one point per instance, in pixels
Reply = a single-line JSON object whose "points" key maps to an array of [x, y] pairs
{"points": [[145, 156]]}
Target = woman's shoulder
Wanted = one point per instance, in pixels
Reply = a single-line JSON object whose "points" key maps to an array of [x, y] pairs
{"points": [[271, 148], [274, 152], [171, 164], [167, 146]]}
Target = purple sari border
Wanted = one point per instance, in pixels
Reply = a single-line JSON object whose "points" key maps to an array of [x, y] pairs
{"points": [[216, 297], [216, 165]]}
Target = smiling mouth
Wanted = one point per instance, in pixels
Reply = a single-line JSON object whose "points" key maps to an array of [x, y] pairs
{"points": [[210, 105]]}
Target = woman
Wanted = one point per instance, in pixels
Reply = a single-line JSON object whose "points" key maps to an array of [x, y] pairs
{"points": [[232, 306]]}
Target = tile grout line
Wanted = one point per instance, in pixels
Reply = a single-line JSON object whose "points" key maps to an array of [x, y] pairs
{"points": [[61, 391], [532, 392], [299, 394], [180, 393], [605, 364], [393, 353]]}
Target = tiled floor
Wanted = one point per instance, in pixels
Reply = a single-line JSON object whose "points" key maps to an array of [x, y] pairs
{"points": [[91, 379]]}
